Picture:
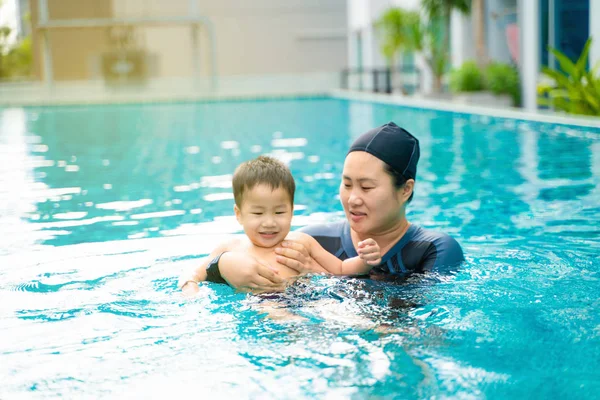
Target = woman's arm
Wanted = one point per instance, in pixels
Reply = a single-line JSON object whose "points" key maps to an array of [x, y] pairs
{"points": [[295, 254], [245, 273], [237, 269]]}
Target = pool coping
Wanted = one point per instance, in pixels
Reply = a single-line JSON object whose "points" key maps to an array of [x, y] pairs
{"points": [[446, 105], [379, 98], [167, 99]]}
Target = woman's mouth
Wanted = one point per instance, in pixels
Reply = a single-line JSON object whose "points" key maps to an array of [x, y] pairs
{"points": [[357, 216]]}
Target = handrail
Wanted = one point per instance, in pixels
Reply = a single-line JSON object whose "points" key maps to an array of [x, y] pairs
{"points": [[378, 75]]}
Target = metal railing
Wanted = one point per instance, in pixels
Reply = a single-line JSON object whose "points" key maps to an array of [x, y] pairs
{"points": [[381, 80]]}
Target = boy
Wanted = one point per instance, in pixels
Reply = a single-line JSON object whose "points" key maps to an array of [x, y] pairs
{"points": [[263, 190]]}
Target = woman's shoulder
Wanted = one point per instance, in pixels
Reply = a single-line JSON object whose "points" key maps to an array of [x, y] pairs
{"points": [[332, 229], [442, 242], [420, 233]]}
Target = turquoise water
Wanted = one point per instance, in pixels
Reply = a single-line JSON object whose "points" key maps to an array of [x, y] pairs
{"points": [[102, 207]]}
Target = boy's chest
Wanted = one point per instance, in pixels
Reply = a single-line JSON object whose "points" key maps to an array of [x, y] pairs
{"points": [[267, 256]]}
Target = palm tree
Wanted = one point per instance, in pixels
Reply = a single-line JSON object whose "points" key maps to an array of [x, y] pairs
{"points": [[437, 9], [440, 10], [391, 28], [422, 37]]}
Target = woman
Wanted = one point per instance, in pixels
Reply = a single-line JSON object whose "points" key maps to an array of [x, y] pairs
{"points": [[377, 184]]}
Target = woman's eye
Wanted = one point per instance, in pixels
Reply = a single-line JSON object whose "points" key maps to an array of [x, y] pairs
{"points": [[280, 212], [347, 186], [257, 213], [367, 188]]}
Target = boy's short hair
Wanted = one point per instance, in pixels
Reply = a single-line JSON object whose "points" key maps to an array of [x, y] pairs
{"points": [[262, 170]]}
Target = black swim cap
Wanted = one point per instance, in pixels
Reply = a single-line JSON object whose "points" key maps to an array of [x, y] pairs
{"points": [[392, 145]]}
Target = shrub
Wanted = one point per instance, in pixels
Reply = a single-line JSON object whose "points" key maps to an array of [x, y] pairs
{"points": [[503, 79], [573, 89], [467, 78]]}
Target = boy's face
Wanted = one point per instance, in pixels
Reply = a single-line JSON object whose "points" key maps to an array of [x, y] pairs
{"points": [[266, 215]]}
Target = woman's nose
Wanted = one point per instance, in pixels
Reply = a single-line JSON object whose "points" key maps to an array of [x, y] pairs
{"points": [[354, 198]]}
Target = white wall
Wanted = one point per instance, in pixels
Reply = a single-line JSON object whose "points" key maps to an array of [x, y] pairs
{"points": [[462, 44], [9, 18], [361, 16], [595, 32], [252, 37], [498, 14], [529, 11]]}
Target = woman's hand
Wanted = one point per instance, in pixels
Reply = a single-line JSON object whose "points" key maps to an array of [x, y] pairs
{"points": [[296, 256], [246, 274]]}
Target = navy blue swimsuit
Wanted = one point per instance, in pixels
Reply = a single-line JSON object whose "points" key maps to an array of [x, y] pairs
{"points": [[419, 250]]}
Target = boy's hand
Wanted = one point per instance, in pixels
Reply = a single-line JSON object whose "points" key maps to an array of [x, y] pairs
{"points": [[369, 251], [190, 289]]}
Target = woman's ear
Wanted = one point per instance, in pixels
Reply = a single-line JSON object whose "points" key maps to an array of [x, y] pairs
{"points": [[407, 190]]}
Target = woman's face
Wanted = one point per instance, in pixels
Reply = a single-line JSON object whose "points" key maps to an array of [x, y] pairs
{"points": [[371, 202]]}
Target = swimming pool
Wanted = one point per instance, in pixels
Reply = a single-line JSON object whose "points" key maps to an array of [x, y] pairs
{"points": [[101, 208]]}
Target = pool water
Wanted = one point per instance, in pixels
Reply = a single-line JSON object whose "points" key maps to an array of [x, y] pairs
{"points": [[102, 207]]}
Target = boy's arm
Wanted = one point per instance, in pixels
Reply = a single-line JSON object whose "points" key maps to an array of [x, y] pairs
{"points": [[188, 282], [369, 256]]}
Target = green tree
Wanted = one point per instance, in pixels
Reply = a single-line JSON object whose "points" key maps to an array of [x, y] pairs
{"points": [[423, 37], [4, 49], [392, 29], [442, 9], [438, 13], [15, 60]]}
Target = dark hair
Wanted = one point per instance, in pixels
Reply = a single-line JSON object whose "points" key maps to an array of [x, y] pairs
{"points": [[262, 170], [398, 179]]}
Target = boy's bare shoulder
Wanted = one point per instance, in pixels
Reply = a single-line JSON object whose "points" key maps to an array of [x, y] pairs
{"points": [[299, 237], [234, 243]]}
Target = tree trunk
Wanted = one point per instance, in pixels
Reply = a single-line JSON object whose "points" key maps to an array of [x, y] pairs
{"points": [[447, 14], [396, 67], [437, 84], [437, 80], [478, 16]]}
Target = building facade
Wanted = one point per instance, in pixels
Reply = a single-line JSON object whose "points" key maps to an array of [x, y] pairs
{"points": [[250, 38], [516, 32]]}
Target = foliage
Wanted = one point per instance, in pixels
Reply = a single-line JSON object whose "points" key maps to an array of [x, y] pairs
{"points": [[438, 12], [467, 78], [15, 61], [392, 29], [425, 38], [573, 89], [439, 8], [503, 78]]}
